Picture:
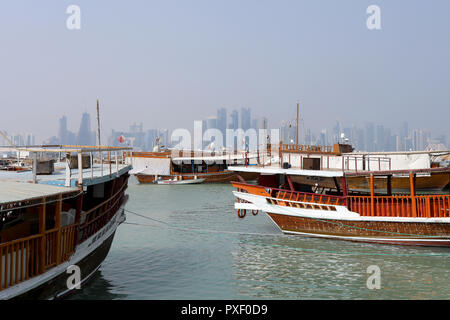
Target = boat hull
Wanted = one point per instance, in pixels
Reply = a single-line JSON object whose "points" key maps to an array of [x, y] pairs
{"points": [[56, 288], [179, 182], [336, 221], [213, 177], [88, 257], [401, 233]]}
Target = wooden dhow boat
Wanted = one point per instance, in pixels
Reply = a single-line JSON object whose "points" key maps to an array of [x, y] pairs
{"points": [[342, 157], [211, 167], [338, 212], [56, 230], [175, 181]]}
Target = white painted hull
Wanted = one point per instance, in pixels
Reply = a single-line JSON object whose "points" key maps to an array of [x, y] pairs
{"points": [[176, 182], [343, 224]]}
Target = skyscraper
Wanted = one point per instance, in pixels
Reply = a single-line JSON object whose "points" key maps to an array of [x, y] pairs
{"points": [[370, 137], [222, 120], [234, 117], [211, 123], [85, 136], [245, 118], [62, 132]]}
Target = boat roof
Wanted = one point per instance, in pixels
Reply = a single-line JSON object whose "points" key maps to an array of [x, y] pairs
{"points": [[14, 191], [216, 158], [90, 176], [290, 171], [329, 173]]}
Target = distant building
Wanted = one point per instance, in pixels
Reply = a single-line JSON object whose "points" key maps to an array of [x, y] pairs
{"points": [[85, 136], [64, 135], [245, 118], [234, 120], [222, 120], [211, 123]]}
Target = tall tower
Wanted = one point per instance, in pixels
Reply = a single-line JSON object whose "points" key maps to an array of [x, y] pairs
{"points": [[245, 118], [234, 123], [85, 134], [222, 120], [62, 132]]}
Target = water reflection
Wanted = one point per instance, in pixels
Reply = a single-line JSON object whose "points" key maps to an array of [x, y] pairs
{"points": [[224, 259], [99, 287], [293, 267]]}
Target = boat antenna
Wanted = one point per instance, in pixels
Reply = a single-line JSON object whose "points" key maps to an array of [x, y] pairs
{"points": [[98, 123], [296, 136]]}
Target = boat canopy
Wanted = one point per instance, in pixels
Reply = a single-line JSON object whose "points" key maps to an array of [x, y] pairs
{"points": [[290, 171]]}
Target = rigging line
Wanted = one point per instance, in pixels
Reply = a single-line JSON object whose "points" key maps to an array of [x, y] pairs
{"points": [[298, 249], [201, 230]]}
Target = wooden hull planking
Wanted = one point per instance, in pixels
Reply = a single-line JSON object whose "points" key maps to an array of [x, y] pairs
{"points": [[329, 217], [403, 233]]}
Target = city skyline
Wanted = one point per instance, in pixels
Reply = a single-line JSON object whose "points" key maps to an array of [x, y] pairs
{"points": [[255, 54], [369, 136]]}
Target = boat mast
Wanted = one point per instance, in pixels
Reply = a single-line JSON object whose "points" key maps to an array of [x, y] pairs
{"points": [[296, 135], [98, 124]]}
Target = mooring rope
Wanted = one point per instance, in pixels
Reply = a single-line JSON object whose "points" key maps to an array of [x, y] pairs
{"points": [[196, 229], [314, 250]]}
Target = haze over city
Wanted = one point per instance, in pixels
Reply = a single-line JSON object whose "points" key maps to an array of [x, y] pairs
{"points": [[168, 63]]}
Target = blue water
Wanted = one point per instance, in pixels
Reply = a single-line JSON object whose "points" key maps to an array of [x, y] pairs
{"points": [[200, 249]]}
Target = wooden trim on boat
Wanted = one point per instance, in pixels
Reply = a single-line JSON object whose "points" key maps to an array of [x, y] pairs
{"points": [[412, 206], [405, 233], [25, 258]]}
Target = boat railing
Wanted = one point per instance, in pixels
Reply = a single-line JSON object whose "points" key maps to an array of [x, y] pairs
{"points": [[295, 196], [306, 148], [347, 163], [410, 206], [299, 196], [109, 158], [426, 206], [98, 216], [68, 241], [28, 257], [19, 260], [51, 238]]}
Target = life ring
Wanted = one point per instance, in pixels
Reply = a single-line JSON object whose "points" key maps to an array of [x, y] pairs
{"points": [[241, 213], [254, 212]]}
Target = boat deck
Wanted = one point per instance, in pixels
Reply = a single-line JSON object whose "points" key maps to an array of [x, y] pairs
{"points": [[97, 174]]}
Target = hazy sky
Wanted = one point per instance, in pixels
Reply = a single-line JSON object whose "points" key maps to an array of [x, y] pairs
{"points": [[167, 63]]}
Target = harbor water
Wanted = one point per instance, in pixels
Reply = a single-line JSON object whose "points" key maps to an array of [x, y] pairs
{"points": [[186, 242]]}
